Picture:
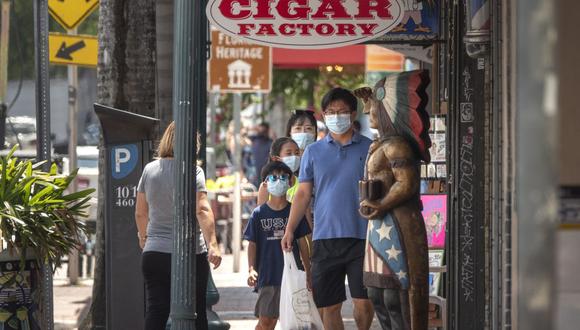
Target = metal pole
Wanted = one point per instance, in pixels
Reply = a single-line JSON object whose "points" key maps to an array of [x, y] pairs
{"points": [[43, 148], [4, 37], [237, 205], [186, 80], [73, 83]]}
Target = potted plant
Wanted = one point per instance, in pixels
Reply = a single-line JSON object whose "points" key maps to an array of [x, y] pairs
{"points": [[39, 223]]}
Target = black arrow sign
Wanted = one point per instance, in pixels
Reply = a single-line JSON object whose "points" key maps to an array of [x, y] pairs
{"points": [[65, 52]]}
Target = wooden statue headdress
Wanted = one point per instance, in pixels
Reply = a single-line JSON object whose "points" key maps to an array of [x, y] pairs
{"points": [[401, 99]]}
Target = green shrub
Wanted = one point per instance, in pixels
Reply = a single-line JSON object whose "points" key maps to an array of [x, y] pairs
{"points": [[37, 213]]}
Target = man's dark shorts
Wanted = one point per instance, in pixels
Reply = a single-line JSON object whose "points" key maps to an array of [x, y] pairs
{"points": [[332, 261]]}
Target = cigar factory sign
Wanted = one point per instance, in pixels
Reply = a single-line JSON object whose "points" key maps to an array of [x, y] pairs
{"points": [[305, 24]]}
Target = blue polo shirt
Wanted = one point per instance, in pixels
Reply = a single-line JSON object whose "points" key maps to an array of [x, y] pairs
{"points": [[335, 170]]}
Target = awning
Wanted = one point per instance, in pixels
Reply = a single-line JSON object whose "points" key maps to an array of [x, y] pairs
{"points": [[305, 59]]}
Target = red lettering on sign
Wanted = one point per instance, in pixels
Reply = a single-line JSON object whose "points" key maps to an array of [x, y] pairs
{"points": [[381, 7], [367, 29], [324, 29], [331, 9], [287, 29], [300, 11], [305, 29], [266, 29], [245, 28], [263, 10], [305, 23], [345, 29], [227, 9]]}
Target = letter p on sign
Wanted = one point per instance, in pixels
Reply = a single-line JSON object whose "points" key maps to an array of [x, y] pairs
{"points": [[122, 155], [123, 160]]}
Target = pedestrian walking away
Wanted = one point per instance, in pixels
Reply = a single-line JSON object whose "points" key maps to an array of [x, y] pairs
{"points": [[154, 218], [331, 168]]}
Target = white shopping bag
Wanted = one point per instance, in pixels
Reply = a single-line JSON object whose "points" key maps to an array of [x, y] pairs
{"points": [[297, 309]]}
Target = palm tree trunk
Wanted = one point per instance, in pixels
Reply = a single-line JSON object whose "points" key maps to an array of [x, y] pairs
{"points": [[164, 13], [125, 80]]}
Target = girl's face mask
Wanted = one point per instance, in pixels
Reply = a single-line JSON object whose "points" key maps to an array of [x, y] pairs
{"points": [[292, 161]]}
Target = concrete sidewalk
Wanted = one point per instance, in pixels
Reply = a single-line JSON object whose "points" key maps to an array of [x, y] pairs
{"points": [[235, 306], [237, 300], [71, 303]]}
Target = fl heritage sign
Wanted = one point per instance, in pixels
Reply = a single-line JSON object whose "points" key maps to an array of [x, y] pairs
{"points": [[238, 66], [305, 24]]}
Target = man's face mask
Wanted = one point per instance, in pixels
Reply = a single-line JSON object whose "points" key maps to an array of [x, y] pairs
{"points": [[338, 123]]}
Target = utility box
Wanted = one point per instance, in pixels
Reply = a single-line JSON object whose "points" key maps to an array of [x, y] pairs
{"points": [[128, 148]]}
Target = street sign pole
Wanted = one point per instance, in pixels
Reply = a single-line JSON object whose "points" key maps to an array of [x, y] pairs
{"points": [[4, 35], [71, 50], [73, 258], [43, 148], [186, 79]]}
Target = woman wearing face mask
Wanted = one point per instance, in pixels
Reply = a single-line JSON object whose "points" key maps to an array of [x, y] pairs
{"points": [[284, 150], [302, 128]]}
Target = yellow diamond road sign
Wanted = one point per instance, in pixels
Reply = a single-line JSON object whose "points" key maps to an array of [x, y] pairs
{"points": [[70, 13], [73, 49]]}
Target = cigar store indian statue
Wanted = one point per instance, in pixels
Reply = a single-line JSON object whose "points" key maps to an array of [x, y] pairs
{"points": [[396, 267]]}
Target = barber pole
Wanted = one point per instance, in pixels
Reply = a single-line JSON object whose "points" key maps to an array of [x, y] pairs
{"points": [[480, 19], [477, 36], [305, 24]]}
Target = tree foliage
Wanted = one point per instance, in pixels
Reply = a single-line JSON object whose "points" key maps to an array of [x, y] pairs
{"points": [[305, 88]]}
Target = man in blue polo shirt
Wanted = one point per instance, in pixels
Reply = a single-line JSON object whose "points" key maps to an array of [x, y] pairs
{"points": [[330, 170]]}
